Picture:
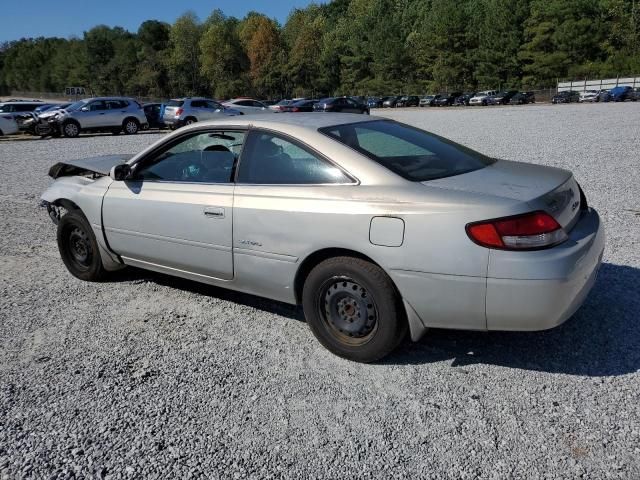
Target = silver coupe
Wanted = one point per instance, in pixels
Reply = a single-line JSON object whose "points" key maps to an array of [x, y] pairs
{"points": [[375, 227]]}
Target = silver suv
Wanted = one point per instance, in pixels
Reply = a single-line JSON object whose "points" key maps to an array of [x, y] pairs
{"points": [[105, 114], [185, 111]]}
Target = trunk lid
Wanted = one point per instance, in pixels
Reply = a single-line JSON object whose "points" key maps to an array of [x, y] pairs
{"points": [[550, 189]]}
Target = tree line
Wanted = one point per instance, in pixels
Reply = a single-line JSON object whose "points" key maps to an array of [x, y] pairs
{"points": [[341, 47]]}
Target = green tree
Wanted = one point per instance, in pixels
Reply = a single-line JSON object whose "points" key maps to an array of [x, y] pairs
{"points": [[224, 63], [184, 55]]}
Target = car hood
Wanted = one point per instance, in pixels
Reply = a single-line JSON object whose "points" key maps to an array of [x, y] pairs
{"points": [[99, 165]]}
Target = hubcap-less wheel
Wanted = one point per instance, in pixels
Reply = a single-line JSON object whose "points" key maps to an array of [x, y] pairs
{"points": [[80, 248], [71, 130], [131, 127], [349, 311]]}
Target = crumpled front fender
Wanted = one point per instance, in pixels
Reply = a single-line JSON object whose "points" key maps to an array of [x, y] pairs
{"points": [[84, 194]]}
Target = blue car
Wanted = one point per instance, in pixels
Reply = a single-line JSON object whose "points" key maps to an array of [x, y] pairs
{"points": [[620, 94]]}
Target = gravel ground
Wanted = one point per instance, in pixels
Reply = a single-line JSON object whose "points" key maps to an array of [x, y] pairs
{"points": [[152, 377]]}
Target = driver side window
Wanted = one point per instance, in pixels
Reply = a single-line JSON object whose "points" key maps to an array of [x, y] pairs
{"points": [[204, 157]]}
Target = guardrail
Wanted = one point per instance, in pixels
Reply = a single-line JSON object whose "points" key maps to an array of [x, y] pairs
{"points": [[599, 84]]}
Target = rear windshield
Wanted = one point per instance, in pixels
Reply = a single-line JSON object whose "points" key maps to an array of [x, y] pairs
{"points": [[407, 151], [175, 103]]}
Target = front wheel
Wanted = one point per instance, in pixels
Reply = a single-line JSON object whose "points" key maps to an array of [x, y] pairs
{"points": [[353, 309], [71, 129], [79, 248]]}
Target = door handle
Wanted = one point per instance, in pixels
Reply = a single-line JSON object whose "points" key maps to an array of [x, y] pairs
{"points": [[213, 212]]}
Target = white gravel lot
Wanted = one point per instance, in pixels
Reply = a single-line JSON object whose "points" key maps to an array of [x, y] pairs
{"points": [[148, 376]]}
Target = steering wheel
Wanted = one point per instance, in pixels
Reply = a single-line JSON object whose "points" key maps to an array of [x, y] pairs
{"points": [[190, 169]]}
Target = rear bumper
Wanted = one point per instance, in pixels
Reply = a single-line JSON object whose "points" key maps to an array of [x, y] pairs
{"points": [[538, 290], [524, 291], [173, 122]]}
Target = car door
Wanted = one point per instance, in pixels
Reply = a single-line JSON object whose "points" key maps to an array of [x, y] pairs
{"points": [[212, 110], [280, 207], [199, 110], [176, 210], [117, 112], [92, 115], [351, 106]]}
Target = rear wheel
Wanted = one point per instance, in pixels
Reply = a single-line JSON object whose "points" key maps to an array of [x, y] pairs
{"points": [[190, 121], [79, 248], [352, 308], [71, 129], [130, 126]]}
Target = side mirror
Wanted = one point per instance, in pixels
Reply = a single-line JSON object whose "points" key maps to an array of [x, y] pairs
{"points": [[120, 172], [84, 109]]}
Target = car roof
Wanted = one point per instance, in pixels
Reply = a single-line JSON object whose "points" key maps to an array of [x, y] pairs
{"points": [[284, 121]]}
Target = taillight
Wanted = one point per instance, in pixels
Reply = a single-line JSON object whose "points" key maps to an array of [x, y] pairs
{"points": [[179, 112], [521, 232]]}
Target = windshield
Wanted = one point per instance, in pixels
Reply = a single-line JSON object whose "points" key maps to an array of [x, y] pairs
{"points": [[407, 151], [76, 106]]}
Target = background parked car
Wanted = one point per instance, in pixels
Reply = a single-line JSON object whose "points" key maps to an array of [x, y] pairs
{"points": [[636, 94], [391, 101], [8, 125], [340, 104], [603, 96], [40, 117], [522, 98], [501, 98], [408, 101], [104, 114], [185, 111], [300, 106], [279, 106], [247, 106], [622, 93], [463, 100], [588, 96], [446, 99], [567, 96], [374, 102], [480, 98], [428, 100], [20, 111], [154, 113]]}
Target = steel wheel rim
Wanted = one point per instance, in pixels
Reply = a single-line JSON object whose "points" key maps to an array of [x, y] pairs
{"points": [[348, 310], [71, 130], [79, 248], [131, 127]]}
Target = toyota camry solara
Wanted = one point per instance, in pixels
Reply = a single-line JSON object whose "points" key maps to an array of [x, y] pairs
{"points": [[376, 228]]}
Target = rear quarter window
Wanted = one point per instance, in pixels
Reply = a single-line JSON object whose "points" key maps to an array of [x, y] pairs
{"points": [[414, 154]]}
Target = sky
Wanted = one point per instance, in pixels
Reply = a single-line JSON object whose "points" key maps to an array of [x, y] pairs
{"points": [[48, 18]]}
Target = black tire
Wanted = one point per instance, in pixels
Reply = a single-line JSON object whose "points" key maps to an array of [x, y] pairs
{"points": [[78, 247], [131, 126], [338, 293], [70, 129], [190, 121]]}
